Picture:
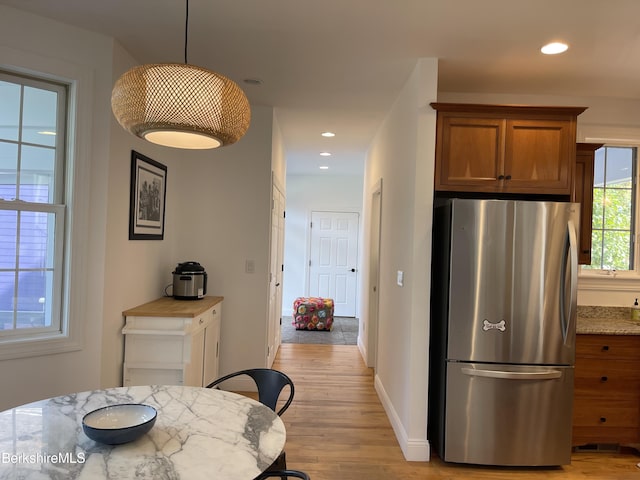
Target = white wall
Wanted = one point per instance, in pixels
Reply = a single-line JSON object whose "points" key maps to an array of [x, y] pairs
{"points": [[217, 212], [307, 193], [402, 155], [605, 118], [85, 58], [223, 219]]}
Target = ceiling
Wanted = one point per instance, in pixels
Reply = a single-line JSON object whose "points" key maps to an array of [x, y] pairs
{"points": [[338, 65]]}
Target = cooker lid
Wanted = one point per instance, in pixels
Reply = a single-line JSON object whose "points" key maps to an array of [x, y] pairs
{"points": [[189, 267]]}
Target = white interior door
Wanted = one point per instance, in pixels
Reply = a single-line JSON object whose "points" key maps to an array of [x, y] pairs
{"points": [[276, 261], [333, 259]]}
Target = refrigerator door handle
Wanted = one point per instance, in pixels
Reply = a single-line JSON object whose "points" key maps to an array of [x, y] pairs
{"points": [[539, 375], [570, 256]]}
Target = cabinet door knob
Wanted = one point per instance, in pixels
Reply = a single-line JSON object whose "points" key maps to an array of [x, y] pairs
{"points": [[508, 177], [585, 251], [603, 419], [605, 348], [604, 379], [500, 177]]}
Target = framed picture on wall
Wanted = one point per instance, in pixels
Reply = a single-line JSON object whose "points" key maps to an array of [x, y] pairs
{"points": [[148, 195]]}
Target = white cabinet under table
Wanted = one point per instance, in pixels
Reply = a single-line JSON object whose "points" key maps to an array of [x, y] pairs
{"points": [[172, 342]]}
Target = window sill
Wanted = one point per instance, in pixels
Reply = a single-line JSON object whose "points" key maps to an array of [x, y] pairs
{"points": [[603, 282], [33, 347]]}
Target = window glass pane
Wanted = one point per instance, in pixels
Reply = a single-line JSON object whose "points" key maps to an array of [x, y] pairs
{"points": [[598, 207], [598, 168], [7, 287], [596, 250], [37, 174], [619, 167], [10, 111], [617, 210], [33, 291], [615, 254], [8, 238], [35, 240], [8, 168], [39, 116]]}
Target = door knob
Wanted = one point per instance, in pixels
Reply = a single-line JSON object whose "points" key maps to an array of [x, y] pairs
{"points": [[353, 270]]}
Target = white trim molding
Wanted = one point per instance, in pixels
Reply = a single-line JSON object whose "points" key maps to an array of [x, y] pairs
{"points": [[413, 449]]}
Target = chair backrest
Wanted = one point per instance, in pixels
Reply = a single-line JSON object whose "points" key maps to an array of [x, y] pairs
{"points": [[270, 384], [283, 474]]}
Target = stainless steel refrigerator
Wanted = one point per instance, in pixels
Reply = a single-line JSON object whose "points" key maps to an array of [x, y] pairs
{"points": [[503, 314]]}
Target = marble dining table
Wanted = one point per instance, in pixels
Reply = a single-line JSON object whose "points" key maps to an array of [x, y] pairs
{"points": [[199, 433]]}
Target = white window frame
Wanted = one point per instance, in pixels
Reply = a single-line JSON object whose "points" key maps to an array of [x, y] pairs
{"points": [[75, 289], [619, 280]]}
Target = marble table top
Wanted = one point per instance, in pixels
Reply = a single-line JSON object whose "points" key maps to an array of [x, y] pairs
{"points": [[199, 433]]}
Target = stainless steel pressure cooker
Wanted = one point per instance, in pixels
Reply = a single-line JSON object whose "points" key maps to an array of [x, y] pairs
{"points": [[189, 281]]}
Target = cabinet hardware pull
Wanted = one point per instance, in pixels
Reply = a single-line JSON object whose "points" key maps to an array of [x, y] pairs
{"points": [[508, 177], [604, 379], [605, 348], [500, 177], [585, 251], [603, 419]]}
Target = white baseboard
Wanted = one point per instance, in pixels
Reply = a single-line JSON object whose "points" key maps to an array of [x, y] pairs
{"points": [[414, 449]]}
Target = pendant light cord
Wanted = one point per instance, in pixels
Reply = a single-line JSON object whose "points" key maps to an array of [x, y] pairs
{"points": [[186, 31]]}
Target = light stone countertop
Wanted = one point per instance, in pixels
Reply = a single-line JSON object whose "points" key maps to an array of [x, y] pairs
{"points": [[606, 321]]}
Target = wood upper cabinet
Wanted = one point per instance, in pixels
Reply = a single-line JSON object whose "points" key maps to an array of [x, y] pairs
{"points": [[505, 149], [583, 194]]}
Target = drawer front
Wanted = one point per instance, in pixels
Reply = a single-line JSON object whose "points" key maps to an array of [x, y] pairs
{"points": [[612, 412], [607, 379], [608, 346], [605, 434]]}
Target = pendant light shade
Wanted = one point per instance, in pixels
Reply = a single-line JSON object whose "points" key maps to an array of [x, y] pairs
{"points": [[180, 105]]}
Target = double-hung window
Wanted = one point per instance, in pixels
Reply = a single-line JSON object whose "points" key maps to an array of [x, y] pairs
{"points": [[32, 207]]}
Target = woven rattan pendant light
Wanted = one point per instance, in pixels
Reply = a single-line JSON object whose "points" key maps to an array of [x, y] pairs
{"points": [[181, 105]]}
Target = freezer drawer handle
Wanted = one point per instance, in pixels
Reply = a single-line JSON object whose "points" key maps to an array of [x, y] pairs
{"points": [[543, 375]]}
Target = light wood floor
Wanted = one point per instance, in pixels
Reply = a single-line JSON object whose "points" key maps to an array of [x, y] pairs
{"points": [[338, 430]]}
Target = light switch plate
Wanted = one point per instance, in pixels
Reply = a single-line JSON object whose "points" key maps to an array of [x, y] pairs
{"points": [[400, 279]]}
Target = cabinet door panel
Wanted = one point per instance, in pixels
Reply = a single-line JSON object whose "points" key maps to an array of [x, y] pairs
{"points": [[539, 156], [583, 194], [471, 150]]}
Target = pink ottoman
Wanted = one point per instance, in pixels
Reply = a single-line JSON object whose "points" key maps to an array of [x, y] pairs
{"points": [[313, 313]]}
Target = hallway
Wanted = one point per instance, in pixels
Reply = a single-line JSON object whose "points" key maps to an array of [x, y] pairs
{"points": [[338, 430]]}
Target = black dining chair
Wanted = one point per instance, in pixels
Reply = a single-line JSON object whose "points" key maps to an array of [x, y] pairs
{"points": [[284, 474], [270, 384]]}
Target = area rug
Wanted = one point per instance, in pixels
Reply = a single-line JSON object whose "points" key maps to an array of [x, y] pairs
{"points": [[344, 332]]}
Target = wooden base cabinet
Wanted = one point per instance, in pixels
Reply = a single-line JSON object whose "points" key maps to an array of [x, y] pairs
{"points": [[505, 149], [172, 342], [606, 407]]}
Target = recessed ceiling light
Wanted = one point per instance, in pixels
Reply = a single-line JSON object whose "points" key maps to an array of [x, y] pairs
{"points": [[554, 48], [324, 167], [325, 154], [328, 134]]}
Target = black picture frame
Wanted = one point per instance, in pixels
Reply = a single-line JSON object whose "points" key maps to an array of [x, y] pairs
{"points": [[148, 198]]}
